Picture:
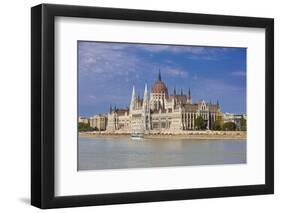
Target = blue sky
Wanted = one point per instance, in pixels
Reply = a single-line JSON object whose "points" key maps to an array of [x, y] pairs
{"points": [[107, 71]]}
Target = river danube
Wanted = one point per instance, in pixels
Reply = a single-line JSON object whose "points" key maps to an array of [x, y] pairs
{"points": [[122, 152]]}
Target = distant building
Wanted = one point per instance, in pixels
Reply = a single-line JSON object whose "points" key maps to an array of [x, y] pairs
{"points": [[82, 119], [228, 117], [235, 118], [98, 122], [161, 111]]}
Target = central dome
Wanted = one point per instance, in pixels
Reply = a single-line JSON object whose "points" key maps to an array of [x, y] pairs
{"points": [[159, 86]]}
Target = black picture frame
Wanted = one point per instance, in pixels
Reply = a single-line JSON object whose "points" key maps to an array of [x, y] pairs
{"points": [[43, 102]]}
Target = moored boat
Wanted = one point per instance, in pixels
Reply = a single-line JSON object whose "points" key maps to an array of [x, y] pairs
{"points": [[137, 135]]}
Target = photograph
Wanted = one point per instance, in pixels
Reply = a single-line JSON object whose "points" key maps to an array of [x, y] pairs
{"points": [[144, 105], [160, 105]]}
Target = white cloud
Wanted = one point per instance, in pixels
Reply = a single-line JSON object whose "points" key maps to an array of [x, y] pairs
{"points": [[238, 73], [175, 72], [105, 59], [173, 49], [116, 59]]}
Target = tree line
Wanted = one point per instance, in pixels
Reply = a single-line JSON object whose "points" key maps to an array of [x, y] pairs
{"points": [[84, 127], [218, 125]]}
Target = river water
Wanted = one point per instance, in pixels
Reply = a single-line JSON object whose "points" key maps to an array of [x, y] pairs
{"points": [[123, 152]]}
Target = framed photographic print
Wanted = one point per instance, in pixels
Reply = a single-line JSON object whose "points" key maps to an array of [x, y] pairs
{"points": [[139, 106]]}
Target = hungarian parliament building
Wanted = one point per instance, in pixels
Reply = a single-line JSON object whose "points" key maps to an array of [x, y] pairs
{"points": [[161, 111]]}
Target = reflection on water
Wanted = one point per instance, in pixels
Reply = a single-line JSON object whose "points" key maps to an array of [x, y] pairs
{"points": [[123, 152]]}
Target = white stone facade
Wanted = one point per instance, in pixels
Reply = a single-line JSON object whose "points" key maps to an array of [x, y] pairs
{"points": [[161, 112]]}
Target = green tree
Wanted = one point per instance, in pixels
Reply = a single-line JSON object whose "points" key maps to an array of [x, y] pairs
{"points": [[82, 127], [243, 124], [229, 126], [217, 125], [199, 123]]}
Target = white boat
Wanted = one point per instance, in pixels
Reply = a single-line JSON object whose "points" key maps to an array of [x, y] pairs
{"points": [[137, 135], [137, 132]]}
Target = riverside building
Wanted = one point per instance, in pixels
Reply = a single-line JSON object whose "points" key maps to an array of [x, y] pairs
{"points": [[161, 111]]}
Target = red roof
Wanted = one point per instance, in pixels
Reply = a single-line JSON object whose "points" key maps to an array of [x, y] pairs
{"points": [[159, 87]]}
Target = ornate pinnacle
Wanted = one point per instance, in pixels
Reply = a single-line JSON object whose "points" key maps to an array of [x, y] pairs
{"points": [[159, 75]]}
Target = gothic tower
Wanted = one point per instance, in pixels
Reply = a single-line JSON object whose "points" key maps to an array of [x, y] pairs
{"points": [[146, 110], [133, 99]]}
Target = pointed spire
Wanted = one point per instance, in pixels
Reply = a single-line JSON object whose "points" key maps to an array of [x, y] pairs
{"points": [[133, 92], [175, 92], [110, 108], [145, 92], [159, 75], [218, 103], [145, 98], [181, 92], [133, 99], [189, 94]]}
